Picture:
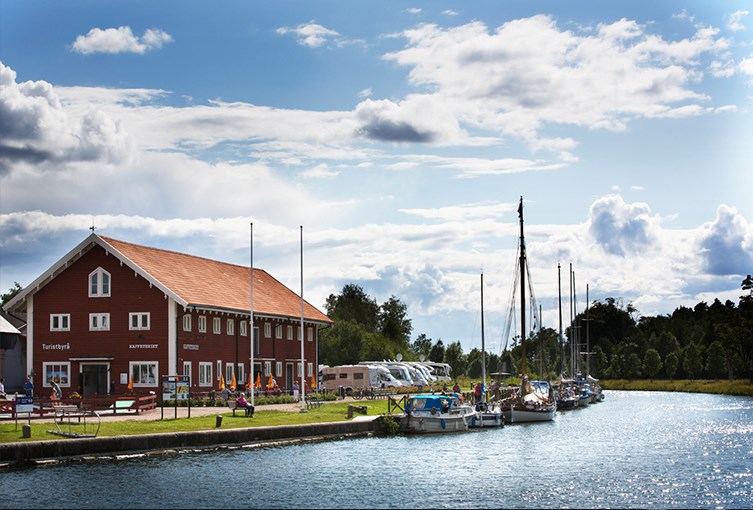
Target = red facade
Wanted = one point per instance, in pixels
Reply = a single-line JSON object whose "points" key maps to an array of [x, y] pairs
{"points": [[96, 324]]}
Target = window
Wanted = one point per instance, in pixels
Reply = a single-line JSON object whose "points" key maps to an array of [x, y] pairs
{"points": [[216, 325], [267, 368], [267, 330], [219, 369], [187, 322], [60, 372], [298, 370], [256, 341], [278, 331], [205, 373], [60, 322], [309, 369], [278, 369], [241, 374], [99, 283], [187, 370], [290, 332], [230, 326], [138, 320], [202, 323], [99, 322], [243, 326], [144, 373], [310, 334], [228, 374]]}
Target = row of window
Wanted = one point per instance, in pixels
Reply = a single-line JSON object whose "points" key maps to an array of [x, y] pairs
{"points": [[100, 321], [145, 373], [243, 328]]}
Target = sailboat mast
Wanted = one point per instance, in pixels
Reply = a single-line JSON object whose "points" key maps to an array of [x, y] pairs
{"points": [[483, 348], [559, 292], [523, 368]]}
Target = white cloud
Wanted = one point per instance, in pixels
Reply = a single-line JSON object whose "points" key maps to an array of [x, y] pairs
{"points": [[735, 20], [621, 228], [310, 34], [726, 244], [120, 40]]}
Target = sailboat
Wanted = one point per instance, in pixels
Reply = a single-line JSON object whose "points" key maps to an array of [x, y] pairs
{"points": [[487, 414], [533, 400]]}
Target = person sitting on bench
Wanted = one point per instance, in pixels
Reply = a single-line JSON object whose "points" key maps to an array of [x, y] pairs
{"points": [[245, 404]]}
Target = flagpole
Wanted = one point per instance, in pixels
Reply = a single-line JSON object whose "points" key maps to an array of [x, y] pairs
{"points": [[303, 366], [251, 311]]}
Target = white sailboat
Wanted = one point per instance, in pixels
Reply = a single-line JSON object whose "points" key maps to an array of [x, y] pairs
{"points": [[533, 401]]}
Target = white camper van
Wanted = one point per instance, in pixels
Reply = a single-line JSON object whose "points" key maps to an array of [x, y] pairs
{"points": [[355, 377]]}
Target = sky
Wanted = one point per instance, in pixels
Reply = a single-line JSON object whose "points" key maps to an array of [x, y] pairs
{"points": [[395, 139]]}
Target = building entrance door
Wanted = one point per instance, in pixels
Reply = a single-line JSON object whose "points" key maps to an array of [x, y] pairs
{"points": [[289, 375], [94, 379]]}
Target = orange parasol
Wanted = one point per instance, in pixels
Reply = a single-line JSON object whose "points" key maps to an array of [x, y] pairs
{"points": [[257, 384], [313, 382], [248, 384], [222, 382], [271, 382], [233, 383], [130, 382]]}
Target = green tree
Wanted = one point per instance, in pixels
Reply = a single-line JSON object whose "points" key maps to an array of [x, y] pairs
{"points": [[422, 345], [341, 344], [693, 362], [353, 304], [716, 363], [633, 366], [393, 322], [4, 298], [454, 357], [651, 363], [671, 362], [437, 352]]}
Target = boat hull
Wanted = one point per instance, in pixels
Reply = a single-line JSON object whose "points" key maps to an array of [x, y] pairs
{"points": [[487, 419], [419, 424], [525, 415]]}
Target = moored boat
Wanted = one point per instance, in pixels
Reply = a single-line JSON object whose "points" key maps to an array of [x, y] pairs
{"points": [[431, 413]]}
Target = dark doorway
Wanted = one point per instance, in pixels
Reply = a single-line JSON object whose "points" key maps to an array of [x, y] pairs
{"points": [[94, 379]]}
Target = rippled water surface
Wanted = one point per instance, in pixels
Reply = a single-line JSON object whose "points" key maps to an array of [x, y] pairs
{"points": [[634, 450]]}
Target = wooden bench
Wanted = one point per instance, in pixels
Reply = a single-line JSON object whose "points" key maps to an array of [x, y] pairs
{"points": [[312, 402], [233, 405]]}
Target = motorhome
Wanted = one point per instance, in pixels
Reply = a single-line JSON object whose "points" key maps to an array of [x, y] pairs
{"points": [[439, 370], [354, 377], [402, 371]]}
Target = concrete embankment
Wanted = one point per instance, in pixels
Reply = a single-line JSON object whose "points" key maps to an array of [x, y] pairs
{"points": [[37, 452]]}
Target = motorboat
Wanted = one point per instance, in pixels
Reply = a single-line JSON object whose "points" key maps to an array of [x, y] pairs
{"points": [[432, 413]]}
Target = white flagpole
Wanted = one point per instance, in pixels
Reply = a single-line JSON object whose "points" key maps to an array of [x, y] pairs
{"points": [[303, 366], [251, 313]]}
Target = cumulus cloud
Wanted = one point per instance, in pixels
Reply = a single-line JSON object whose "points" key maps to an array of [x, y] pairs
{"points": [[727, 243], [735, 20], [120, 40], [36, 127], [310, 34], [621, 228], [529, 73]]}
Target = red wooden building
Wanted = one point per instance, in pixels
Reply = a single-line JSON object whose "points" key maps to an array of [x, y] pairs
{"points": [[111, 311]]}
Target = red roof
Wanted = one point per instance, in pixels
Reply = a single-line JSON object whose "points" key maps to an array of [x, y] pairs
{"points": [[206, 283]]}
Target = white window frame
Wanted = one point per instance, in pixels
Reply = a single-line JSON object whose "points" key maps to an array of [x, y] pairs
{"points": [[240, 373], [290, 332], [267, 330], [202, 324], [298, 369], [187, 371], [216, 325], [309, 369], [61, 370], [99, 322], [310, 334], [243, 328], [142, 320], [278, 368], [60, 322], [187, 322], [278, 332], [98, 287], [219, 369], [205, 374], [230, 327], [145, 374], [267, 368], [228, 374]]}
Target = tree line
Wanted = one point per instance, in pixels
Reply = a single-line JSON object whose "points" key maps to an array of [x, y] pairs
{"points": [[609, 341]]}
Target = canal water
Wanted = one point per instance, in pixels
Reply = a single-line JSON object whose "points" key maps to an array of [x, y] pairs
{"points": [[634, 450]]}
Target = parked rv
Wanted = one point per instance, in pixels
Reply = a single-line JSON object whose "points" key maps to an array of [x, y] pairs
{"points": [[355, 377]]}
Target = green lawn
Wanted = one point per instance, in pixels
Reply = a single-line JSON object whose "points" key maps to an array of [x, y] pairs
{"points": [[330, 412]]}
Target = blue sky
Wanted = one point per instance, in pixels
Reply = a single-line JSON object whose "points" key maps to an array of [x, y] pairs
{"points": [[401, 135]]}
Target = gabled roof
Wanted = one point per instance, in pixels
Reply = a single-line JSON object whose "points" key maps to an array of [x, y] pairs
{"points": [[193, 282]]}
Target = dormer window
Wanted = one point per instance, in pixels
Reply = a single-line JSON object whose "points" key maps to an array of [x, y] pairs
{"points": [[99, 283]]}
